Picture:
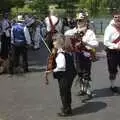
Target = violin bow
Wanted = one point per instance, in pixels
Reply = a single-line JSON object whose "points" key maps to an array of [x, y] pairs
{"points": [[46, 74], [46, 44]]}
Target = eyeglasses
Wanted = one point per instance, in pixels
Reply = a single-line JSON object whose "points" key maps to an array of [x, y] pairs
{"points": [[80, 20]]}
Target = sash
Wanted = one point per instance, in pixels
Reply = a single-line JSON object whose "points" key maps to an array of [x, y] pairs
{"points": [[52, 26], [118, 38]]}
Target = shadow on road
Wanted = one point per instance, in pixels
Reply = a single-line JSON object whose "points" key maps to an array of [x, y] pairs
{"points": [[105, 92], [90, 107]]}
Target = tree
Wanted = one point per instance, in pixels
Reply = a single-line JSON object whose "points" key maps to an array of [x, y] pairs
{"points": [[113, 5], [95, 7], [17, 3], [41, 6], [6, 5]]}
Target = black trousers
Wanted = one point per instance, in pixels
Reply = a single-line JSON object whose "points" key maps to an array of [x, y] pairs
{"points": [[65, 84], [14, 58], [5, 46], [83, 66], [113, 60]]}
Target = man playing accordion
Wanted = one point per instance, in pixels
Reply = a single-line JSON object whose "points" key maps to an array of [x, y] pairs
{"points": [[81, 40]]}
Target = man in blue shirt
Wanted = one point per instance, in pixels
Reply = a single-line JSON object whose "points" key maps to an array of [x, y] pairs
{"points": [[20, 39]]}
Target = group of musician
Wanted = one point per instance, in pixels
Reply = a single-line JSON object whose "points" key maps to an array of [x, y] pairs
{"points": [[71, 52], [80, 42]]}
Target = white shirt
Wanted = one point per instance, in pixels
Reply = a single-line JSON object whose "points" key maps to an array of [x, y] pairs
{"points": [[89, 38], [112, 22], [60, 61], [54, 20], [5, 24], [110, 35], [27, 35]]}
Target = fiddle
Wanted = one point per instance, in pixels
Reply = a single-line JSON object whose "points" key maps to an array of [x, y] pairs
{"points": [[51, 64], [51, 60]]}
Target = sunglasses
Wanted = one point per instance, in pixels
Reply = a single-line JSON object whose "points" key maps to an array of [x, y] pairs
{"points": [[81, 20]]}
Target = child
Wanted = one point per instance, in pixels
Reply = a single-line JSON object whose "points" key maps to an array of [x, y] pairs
{"points": [[64, 72]]}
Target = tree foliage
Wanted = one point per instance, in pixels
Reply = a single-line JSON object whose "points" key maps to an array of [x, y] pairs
{"points": [[6, 5], [41, 6], [95, 7]]}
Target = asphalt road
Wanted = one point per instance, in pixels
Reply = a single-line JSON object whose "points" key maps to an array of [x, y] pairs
{"points": [[26, 97]]}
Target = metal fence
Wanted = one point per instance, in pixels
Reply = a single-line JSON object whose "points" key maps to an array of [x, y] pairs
{"points": [[99, 24]]}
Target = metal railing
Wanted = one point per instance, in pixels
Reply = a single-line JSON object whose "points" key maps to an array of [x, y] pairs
{"points": [[99, 25]]}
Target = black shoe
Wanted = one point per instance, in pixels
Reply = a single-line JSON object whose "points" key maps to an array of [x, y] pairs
{"points": [[65, 114], [81, 93], [11, 72], [90, 96], [26, 70], [115, 90]]}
